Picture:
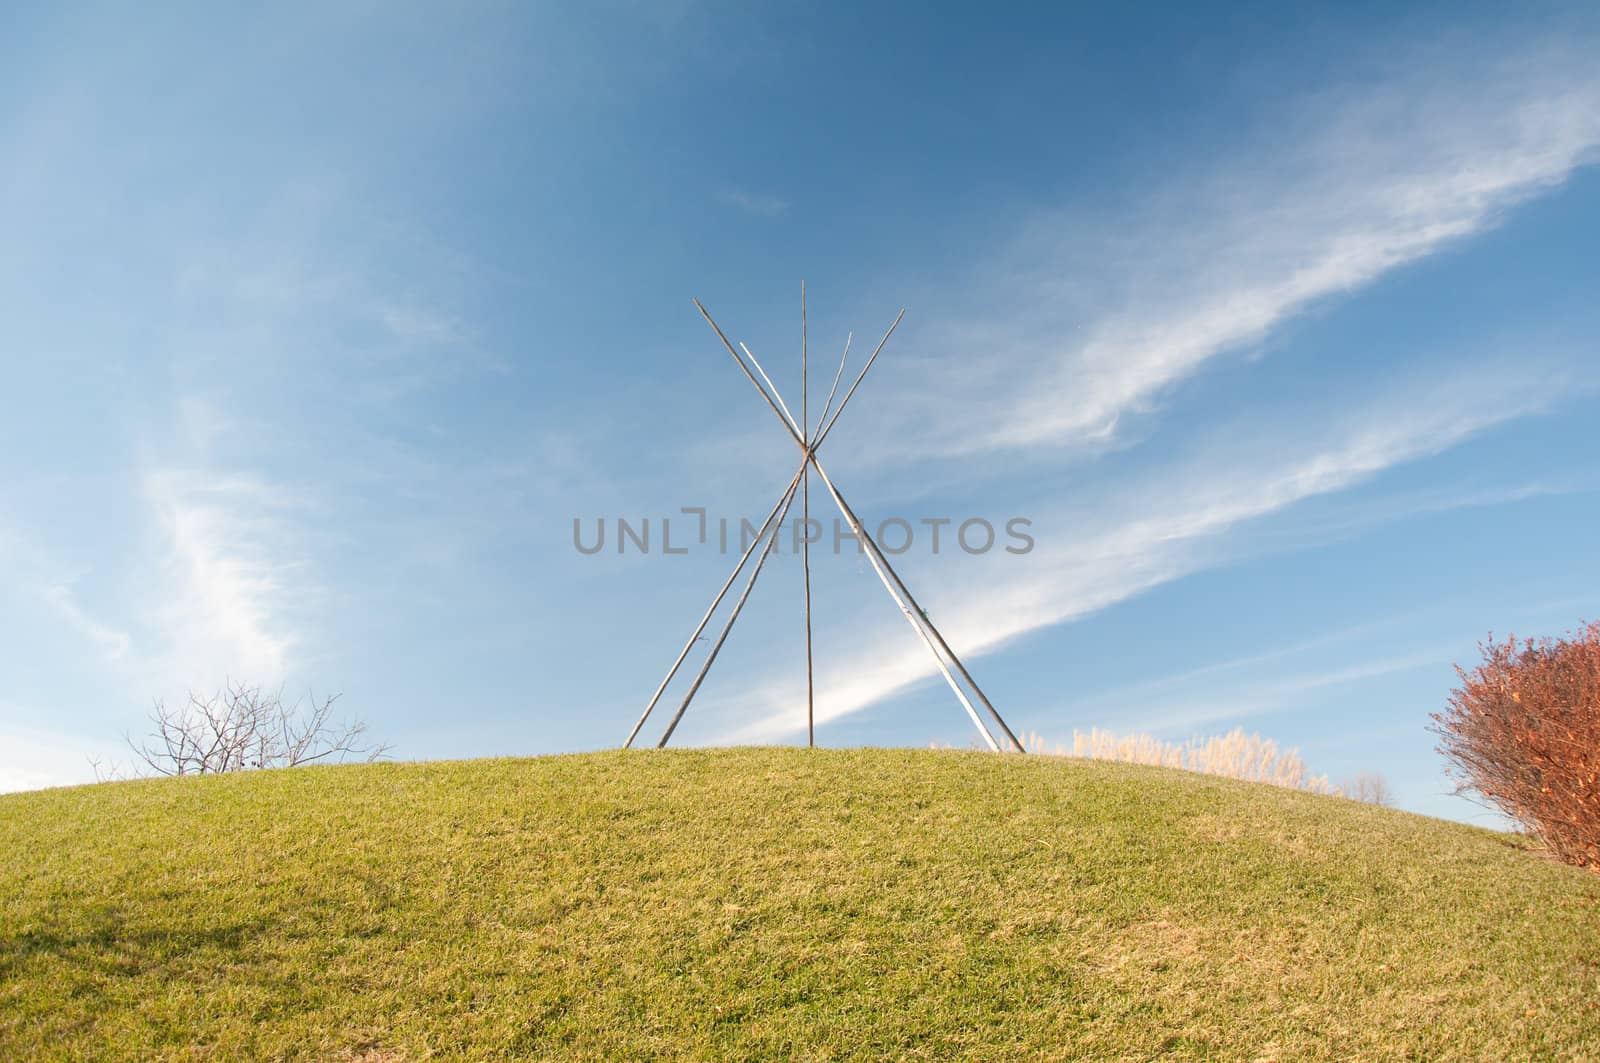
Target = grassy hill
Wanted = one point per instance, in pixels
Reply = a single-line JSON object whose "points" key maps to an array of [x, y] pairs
{"points": [[779, 904]]}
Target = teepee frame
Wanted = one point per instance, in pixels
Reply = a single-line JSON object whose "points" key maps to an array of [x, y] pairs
{"points": [[809, 440]]}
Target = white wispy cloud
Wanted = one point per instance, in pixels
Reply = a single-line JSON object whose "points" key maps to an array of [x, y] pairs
{"points": [[229, 564], [44, 578], [415, 324], [1103, 317], [1170, 706], [761, 204], [114, 643], [229, 578], [1173, 523], [31, 758]]}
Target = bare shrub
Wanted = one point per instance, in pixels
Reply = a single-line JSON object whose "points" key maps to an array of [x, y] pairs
{"points": [[241, 727], [108, 770], [1368, 786], [1523, 731]]}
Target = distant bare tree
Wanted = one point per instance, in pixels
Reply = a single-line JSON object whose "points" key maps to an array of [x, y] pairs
{"points": [[241, 727], [1369, 786], [108, 770]]}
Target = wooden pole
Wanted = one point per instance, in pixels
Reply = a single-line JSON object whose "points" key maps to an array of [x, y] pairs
{"points": [[738, 606], [862, 376], [805, 522], [910, 610], [787, 491], [787, 424], [836, 375], [945, 646], [775, 393]]}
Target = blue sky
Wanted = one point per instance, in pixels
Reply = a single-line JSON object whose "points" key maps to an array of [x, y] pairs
{"points": [[321, 325]]}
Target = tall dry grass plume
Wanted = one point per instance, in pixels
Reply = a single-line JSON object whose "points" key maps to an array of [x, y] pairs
{"points": [[1235, 755]]}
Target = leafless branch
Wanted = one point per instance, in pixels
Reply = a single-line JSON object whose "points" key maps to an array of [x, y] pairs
{"points": [[241, 727]]}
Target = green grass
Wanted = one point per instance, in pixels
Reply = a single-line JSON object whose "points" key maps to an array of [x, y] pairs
{"points": [[776, 904]]}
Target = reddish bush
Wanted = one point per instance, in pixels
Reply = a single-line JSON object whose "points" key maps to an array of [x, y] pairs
{"points": [[1523, 730]]}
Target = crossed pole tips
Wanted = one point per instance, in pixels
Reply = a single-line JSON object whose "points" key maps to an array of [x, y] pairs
{"points": [[808, 440]]}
